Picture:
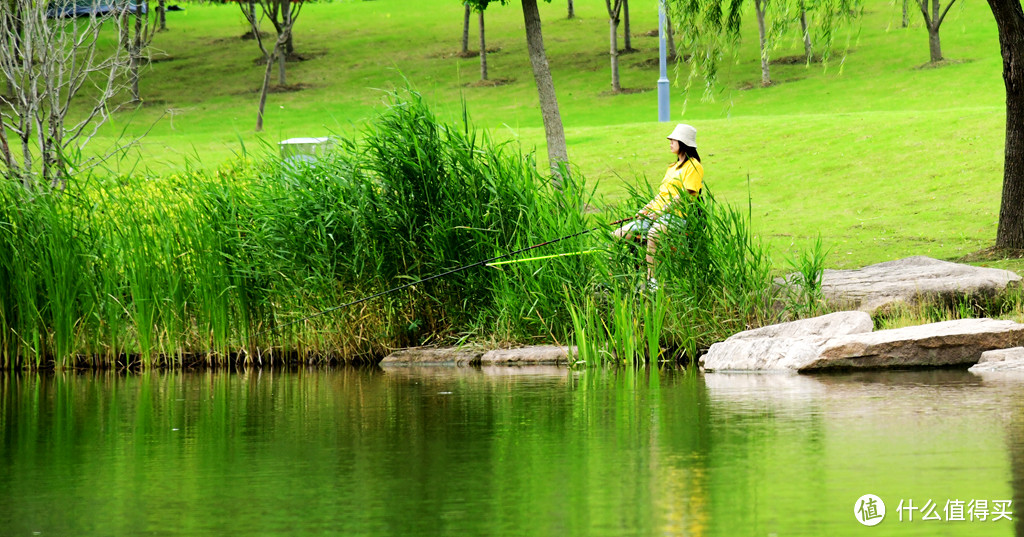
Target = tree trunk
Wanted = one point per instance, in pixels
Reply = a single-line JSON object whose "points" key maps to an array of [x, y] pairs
{"points": [[614, 8], [1010, 22], [133, 70], [759, 7], [627, 39], [265, 89], [572, 12], [483, 49], [613, 30], [808, 53], [553, 130], [161, 11], [283, 52], [933, 21], [465, 32], [125, 30], [5, 148], [135, 54], [906, 13], [934, 45]]}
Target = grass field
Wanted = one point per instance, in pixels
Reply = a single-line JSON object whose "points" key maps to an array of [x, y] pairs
{"points": [[882, 156]]}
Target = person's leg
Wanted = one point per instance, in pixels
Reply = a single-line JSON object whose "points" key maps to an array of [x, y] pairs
{"points": [[632, 230], [652, 246]]}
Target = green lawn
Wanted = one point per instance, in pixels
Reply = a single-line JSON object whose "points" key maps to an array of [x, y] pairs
{"points": [[881, 157]]}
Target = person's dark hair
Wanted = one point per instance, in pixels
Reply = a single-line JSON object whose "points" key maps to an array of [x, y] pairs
{"points": [[688, 152]]}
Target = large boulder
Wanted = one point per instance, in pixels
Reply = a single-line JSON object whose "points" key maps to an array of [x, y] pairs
{"points": [[909, 281], [948, 343], [942, 344], [785, 346]]}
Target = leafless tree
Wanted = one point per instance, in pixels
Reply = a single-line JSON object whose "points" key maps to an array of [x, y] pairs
{"points": [[287, 11], [47, 61], [139, 26]]}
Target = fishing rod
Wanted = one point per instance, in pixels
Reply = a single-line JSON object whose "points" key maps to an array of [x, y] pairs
{"points": [[443, 274], [538, 258]]}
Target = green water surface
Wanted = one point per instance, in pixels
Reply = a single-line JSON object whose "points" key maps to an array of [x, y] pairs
{"points": [[504, 451]]}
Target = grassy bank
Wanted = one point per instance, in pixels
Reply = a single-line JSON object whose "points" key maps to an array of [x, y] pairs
{"points": [[879, 154], [237, 265]]}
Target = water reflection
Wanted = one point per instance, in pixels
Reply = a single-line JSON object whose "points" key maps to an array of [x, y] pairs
{"points": [[498, 451]]}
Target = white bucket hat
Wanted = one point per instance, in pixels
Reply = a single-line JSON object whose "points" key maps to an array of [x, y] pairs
{"points": [[684, 134]]}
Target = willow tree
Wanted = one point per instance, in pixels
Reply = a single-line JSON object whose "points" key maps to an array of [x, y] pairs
{"points": [[710, 29], [139, 26], [282, 13]]}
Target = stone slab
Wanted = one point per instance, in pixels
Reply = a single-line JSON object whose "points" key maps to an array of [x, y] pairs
{"points": [[467, 356], [435, 355], [534, 355], [949, 343], [784, 346], [909, 281]]}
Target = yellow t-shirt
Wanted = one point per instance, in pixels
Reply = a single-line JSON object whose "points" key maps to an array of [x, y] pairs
{"points": [[679, 178]]}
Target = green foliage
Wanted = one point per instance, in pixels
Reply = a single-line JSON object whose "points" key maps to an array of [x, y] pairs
{"points": [[155, 271], [805, 297], [710, 30]]}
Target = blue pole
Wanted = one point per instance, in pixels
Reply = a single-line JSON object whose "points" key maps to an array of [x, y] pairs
{"points": [[663, 89]]}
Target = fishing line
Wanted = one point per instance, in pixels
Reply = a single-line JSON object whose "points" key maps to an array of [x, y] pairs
{"points": [[552, 256], [440, 275]]}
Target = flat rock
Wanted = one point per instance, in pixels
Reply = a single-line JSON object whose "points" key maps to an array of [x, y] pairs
{"points": [[467, 356], [784, 346], [833, 324], [434, 355], [534, 355], [948, 343], [1000, 360], [909, 281]]}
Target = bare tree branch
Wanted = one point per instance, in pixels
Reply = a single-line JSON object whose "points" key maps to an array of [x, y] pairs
{"points": [[50, 55]]}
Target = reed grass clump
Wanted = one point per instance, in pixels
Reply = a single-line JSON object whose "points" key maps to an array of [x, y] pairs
{"points": [[227, 266]]}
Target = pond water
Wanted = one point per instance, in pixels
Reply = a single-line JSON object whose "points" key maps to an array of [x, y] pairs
{"points": [[508, 451]]}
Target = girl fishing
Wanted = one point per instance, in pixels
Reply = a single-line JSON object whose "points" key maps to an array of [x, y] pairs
{"points": [[686, 174]]}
